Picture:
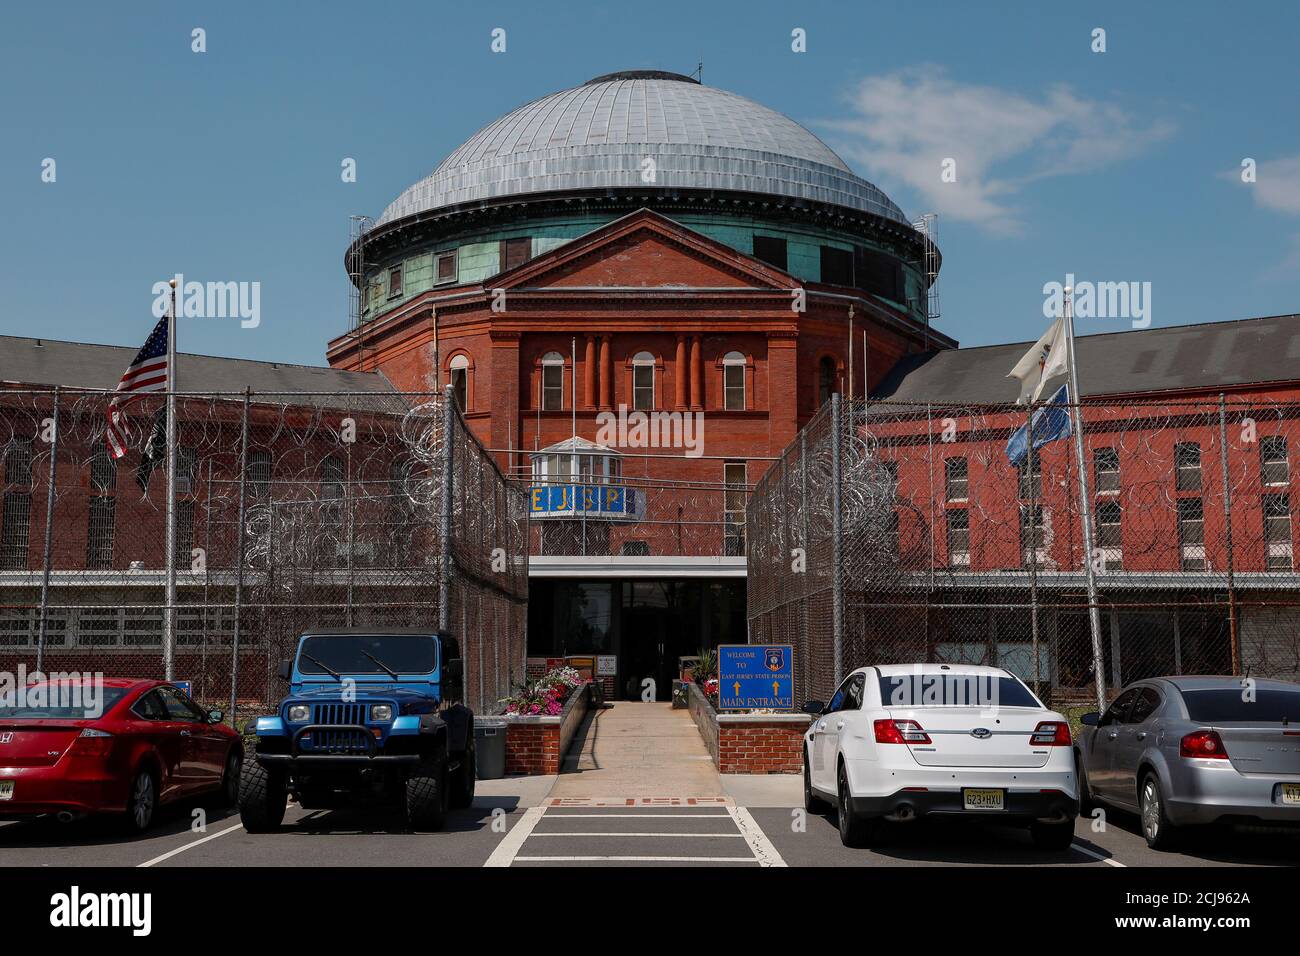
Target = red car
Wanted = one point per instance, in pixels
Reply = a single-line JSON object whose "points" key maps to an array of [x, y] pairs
{"points": [[145, 744]]}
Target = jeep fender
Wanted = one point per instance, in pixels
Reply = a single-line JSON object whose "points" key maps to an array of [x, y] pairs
{"points": [[459, 721]]}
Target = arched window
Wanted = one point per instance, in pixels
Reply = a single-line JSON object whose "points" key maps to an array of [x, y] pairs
{"points": [[552, 384], [459, 369], [733, 382], [825, 380], [643, 381]]}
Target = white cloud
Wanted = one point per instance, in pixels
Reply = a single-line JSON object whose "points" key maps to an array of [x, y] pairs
{"points": [[904, 125], [1277, 184]]}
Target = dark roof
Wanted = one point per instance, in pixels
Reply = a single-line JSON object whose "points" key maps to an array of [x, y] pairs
{"points": [[41, 363], [1205, 356]]}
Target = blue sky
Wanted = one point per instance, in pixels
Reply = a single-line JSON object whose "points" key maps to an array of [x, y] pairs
{"points": [[1116, 166]]}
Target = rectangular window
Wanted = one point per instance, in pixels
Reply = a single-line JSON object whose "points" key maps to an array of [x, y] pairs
{"points": [[1191, 533], [1031, 535], [331, 477], [837, 266], [444, 269], [552, 387], [878, 274], [1277, 532], [186, 468], [259, 473], [733, 388], [184, 533], [1273, 461], [395, 282], [18, 462], [643, 387], [1105, 465], [1031, 482], [460, 386], [99, 533], [956, 479], [1109, 535], [1187, 459], [771, 250], [733, 475], [958, 536], [15, 529], [515, 252]]}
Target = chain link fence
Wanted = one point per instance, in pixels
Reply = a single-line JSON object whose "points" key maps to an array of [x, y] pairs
{"points": [[293, 512], [897, 533]]}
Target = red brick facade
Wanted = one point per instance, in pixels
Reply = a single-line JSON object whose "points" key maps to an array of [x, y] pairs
{"points": [[759, 746], [533, 748]]}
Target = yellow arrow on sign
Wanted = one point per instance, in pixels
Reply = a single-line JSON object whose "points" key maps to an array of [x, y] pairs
{"points": [[776, 688], [737, 686]]}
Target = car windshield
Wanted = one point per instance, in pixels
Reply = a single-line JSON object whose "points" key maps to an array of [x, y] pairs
{"points": [[368, 654], [60, 702], [1269, 706], [938, 689]]}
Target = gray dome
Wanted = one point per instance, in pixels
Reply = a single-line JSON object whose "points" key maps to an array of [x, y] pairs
{"points": [[596, 136]]}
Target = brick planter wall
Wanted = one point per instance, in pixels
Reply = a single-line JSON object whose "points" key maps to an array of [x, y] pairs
{"points": [[536, 745], [749, 743]]}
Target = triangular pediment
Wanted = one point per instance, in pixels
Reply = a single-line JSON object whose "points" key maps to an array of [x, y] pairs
{"points": [[644, 250]]}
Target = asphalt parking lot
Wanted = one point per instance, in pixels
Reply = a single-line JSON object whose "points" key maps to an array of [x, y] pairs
{"points": [[521, 831]]}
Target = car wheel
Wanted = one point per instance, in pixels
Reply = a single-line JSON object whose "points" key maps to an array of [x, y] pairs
{"points": [[1054, 837], [141, 802], [230, 779], [811, 802], [425, 802], [1159, 833], [855, 830], [462, 782], [262, 797]]}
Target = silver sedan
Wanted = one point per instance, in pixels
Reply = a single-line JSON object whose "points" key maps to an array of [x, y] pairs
{"points": [[1180, 751]]}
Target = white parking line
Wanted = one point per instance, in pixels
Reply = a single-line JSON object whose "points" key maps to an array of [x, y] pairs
{"points": [[616, 833], [509, 846], [764, 851], [1097, 856], [190, 846]]}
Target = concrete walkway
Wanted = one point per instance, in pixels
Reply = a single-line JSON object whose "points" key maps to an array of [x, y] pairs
{"points": [[637, 750]]}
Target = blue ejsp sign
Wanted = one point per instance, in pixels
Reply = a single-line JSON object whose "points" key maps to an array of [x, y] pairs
{"points": [[755, 676], [566, 501]]}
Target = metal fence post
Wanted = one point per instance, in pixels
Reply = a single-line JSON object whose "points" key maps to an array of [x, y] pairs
{"points": [[49, 536], [239, 558], [444, 519], [1233, 637], [837, 544]]}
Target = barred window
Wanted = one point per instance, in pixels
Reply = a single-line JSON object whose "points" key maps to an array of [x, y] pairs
{"points": [[958, 536], [1105, 463], [1031, 479], [331, 477], [15, 530], [18, 462], [103, 472], [1277, 532], [184, 533], [955, 477], [1031, 533], [259, 473], [1273, 460], [733, 475], [99, 532], [1187, 459], [187, 464], [1108, 525], [1191, 533]]}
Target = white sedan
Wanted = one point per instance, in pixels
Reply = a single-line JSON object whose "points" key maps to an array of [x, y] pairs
{"points": [[903, 741]]}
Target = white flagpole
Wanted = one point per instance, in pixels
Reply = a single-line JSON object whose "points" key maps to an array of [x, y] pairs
{"points": [[1076, 414], [169, 551]]}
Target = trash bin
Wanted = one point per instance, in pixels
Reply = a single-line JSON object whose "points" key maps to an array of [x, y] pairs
{"points": [[490, 747]]}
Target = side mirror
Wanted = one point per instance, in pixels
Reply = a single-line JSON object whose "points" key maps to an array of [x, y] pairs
{"points": [[1090, 719], [215, 716], [453, 671], [814, 707], [284, 670]]}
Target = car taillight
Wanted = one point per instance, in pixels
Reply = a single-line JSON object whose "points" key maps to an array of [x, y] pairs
{"points": [[92, 743], [900, 732], [1203, 743], [1051, 733]]}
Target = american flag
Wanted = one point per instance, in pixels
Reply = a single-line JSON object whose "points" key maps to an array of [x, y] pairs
{"points": [[148, 372]]}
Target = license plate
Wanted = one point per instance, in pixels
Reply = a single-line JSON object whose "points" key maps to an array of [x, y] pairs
{"points": [[1291, 793], [982, 799], [7, 790]]}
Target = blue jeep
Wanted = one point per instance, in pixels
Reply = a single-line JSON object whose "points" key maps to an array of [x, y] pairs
{"points": [[372, 717]]}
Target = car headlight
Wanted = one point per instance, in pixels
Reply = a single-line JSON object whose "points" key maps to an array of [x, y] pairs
{"points": [[381, 712], [299, 713]]}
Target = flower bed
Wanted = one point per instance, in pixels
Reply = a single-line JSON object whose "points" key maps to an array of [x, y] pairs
{"points": [[541, 720]]}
